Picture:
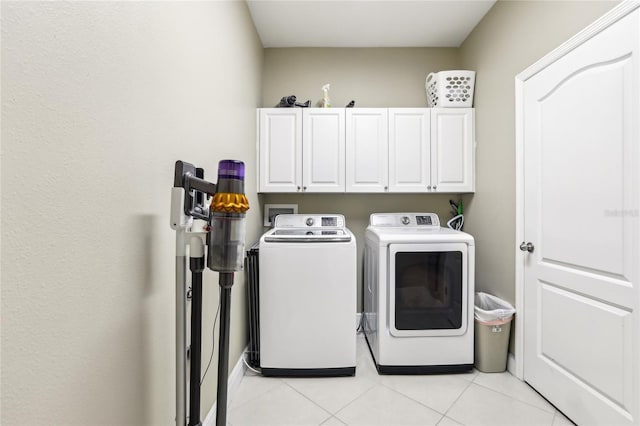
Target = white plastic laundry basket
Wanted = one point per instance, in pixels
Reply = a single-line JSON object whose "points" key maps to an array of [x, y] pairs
{"points": [[447, 89]]}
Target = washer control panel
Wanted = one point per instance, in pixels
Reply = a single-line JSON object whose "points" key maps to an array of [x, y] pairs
{"points": [[309, 221]]}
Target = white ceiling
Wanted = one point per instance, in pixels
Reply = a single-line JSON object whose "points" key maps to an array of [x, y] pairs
{"points": [[366, 23]]}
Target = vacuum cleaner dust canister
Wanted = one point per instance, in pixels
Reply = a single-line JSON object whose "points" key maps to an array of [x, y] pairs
{"points": [[228, 211]]}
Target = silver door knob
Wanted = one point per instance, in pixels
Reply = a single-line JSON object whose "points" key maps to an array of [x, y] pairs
{"points": [[527, 247]]}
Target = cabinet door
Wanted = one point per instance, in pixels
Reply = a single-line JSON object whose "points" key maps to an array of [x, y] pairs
{"points": [[367, 168], [280, 149], [323, 150], [409, 150], [452, 150]]}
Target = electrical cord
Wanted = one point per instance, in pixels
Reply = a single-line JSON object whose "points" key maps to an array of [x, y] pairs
{"points": [[248, 366], [213, 338]]}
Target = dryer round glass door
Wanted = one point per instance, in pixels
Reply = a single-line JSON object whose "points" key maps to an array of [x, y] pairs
{"points": [[428, 288]]}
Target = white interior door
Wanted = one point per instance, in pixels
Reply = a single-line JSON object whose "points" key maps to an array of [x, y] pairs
{"points": [[581, 204]]}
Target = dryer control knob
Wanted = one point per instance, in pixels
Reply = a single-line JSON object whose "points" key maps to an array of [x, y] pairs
{"points": [[309, 221], [405, 220]]}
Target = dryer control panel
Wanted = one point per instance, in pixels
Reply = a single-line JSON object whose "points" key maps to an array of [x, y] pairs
{"points": [[401, 220]]}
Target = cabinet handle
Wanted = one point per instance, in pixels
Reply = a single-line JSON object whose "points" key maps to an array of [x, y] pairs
{"points": [[435, 187], [429, 187], [298, 189], [386, 188], [304, 188]]}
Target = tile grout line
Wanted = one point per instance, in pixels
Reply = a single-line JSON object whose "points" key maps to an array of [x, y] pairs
{"points": [[414, 400], [518, 399], [311, 400], [333, 417], [256, 396], [456, 400], [373, 384], [354, 400], [426, 406]]}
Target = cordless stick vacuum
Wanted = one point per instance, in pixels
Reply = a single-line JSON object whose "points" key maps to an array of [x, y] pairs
{"points": [[221, 226]]}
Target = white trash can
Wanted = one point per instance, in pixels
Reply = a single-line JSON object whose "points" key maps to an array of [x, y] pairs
{"points": [[492, 328]]}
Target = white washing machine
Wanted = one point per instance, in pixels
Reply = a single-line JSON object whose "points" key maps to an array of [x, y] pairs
{"points": [[307, 301], [418, 294]]}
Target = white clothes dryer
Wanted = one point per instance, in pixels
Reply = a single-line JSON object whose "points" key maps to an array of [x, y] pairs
{"points": [[418, 294], [308, 292]]}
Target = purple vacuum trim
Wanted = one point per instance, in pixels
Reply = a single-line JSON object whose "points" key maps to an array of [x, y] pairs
{"points": [[231, 169]]}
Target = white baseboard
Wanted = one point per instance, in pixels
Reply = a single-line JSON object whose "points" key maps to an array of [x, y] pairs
{"points": [[511, 365], [358, 318], [232, 385]]}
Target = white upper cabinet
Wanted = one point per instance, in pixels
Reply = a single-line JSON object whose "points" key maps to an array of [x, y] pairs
{"points": [[280, 149], [301, 150], [409, 150], [367, 164], [452, 150], [431, 150], [323, 150], [397, 150]]}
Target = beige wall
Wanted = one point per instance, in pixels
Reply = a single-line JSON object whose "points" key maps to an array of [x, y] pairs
{"points": [[375, 77], [99, 99], [512, 36]]}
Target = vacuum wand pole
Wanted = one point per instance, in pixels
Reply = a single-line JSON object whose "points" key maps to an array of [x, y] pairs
{"points": [[196, 265], [181, 336], [180, 222], [226, 281]]}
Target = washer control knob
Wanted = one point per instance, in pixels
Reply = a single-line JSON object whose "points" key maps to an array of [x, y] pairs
{"points": [[405, 220], [309, 221]]}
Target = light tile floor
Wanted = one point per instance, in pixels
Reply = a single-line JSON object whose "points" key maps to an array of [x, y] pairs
{"points": [[473, 398]]}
